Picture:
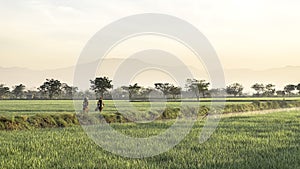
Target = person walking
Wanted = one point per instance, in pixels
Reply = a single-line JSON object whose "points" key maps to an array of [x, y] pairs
{"points": [[100, 105], [85, 105]]}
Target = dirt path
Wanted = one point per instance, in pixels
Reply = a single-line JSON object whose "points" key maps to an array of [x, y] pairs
{"points": [[260, 112]]}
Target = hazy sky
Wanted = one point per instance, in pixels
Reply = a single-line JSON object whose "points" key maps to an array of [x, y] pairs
{"points": [[46, 34]]}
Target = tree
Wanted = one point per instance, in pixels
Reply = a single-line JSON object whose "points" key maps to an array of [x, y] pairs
{"points": [[119, 93], [217, 92], [163, 87], [289, 88], [269, 90], [167, 88], [68, 91], [197, 86], [298, 88], [280, 93], [31, 94], [82, 94], [259, 88], [132, 89], [18, 90], [3, 91], [145, 92], [100, 85], [175, 91], [235, 89], [51, 88]]}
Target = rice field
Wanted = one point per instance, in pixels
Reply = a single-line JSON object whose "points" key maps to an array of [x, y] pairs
{"points": [[248, 141], [57, 106]]}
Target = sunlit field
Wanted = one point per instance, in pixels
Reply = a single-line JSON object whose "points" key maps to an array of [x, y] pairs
{"points": [[241, 141], [58, 106], [248, 142]]}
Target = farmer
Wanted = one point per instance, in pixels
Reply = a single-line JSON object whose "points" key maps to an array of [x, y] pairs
{"points": [[85, 105], [100, 105]]}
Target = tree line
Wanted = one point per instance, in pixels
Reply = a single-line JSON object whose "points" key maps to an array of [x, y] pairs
{"points": [[102, 86]]}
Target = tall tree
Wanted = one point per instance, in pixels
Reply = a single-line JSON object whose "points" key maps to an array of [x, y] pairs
{"points": [[145, 92], [168, 89], [68, 91], [269, 90], [3, 91], [51, 87], [289, 88], [298, 88], [235, 89], [197, 86], [132, 90], [259, 88], [175, 91], [101, 85], [18, 90], [163, 87]]}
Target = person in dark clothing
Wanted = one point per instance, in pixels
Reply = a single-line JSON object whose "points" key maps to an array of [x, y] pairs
{"points": [[100, 105]]}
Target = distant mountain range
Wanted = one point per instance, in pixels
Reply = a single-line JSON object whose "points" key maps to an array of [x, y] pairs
{"points": [[278, 76], [34, 78]]}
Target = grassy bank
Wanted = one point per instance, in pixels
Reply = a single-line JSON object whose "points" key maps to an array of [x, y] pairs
{"points": [[46, 120], [19, 121]]}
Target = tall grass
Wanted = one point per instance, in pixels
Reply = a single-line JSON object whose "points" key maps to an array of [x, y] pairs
{"points": [[16, 120], [248, 142]]}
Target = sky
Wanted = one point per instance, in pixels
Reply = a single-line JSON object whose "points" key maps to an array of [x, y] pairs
{"points": [[50, 34]]}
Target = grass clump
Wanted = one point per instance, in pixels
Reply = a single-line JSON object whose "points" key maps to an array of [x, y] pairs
{"points": [[19, 122]]}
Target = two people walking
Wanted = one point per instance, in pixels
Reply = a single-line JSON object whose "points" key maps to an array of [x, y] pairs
{"points": [[85, 105]]}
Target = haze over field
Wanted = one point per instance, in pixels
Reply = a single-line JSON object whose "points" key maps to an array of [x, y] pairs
{"points": [[256, 41], [34, 78]]}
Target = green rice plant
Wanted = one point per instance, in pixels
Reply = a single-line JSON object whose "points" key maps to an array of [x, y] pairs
{"points": [[245, 141]]}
